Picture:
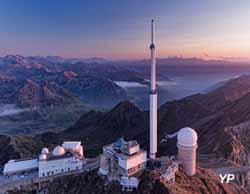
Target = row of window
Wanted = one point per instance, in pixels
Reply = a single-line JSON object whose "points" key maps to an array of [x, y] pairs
{"points": [[57, 171], [139, 166]]}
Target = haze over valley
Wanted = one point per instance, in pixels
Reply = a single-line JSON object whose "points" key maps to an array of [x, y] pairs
{"points": [[35, 90]]}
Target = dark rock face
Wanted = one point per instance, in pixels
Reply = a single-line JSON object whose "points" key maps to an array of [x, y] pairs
{"points": [[203, 182], [7, 150], [48, 94], [96, 91], [177, 114], [123, 120], [229, 92], [28, 93], [17, 147]]}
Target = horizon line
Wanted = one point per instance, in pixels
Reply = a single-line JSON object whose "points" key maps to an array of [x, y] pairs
{"points": [[220, 58]]}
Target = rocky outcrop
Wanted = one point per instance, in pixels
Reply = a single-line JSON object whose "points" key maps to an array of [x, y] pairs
{"points": [[42, 95], [17, 147]]}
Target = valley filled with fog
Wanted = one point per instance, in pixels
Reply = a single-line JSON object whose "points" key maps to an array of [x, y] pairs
{"points": [[179, 86]]}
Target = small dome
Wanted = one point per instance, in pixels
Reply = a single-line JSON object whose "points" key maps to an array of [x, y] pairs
{"points": [[58, 151], [187, 137], [43, 157], [45, 151]]}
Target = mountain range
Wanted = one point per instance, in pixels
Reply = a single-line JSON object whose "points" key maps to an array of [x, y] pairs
{"points": [[220, 117], [44, 86], [92, 83]]}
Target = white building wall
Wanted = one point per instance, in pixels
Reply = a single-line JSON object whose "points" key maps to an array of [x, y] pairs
{"points": [[104, 165], [134, 149], [71, 145], [187, 155], [51, 167], [133, 161], [13, 166]]}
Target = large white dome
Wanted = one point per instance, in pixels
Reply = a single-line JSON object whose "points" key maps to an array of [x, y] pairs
{"points": [[45, 151], [187, 137], [58, 151]]}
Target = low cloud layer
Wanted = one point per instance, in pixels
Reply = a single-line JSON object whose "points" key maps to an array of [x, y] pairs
{"points": [[125, 84], [10, 109]]}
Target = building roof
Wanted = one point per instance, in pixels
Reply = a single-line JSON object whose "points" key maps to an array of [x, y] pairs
{"points": [[59, 157], [58, 151], [17, 166], [45, 151], [125, 156], [119, 143], [119, 147], [187, 137], [71, 145]]}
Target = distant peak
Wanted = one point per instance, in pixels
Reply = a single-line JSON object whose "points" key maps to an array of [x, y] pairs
{"points": [[69, 74], [125, 105], [29, 81]]}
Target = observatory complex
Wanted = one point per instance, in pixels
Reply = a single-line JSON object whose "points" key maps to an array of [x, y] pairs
{"points": [[65, 158]]}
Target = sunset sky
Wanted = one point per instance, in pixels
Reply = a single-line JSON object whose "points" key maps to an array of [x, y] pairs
{"points": [[120, 29]]}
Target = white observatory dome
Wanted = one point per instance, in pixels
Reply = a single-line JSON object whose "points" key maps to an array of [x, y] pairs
{"points": [[43, 157], [58, 151], [187, 137], [45, 151]]}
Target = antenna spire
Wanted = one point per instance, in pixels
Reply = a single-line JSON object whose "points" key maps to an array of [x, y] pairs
{"points": [[152, 31], [153, 98]]}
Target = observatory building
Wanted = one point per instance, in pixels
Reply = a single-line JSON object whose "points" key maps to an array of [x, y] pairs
{"points": [[20, 166], [67, 157], [122, 158], [187, 145]]}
